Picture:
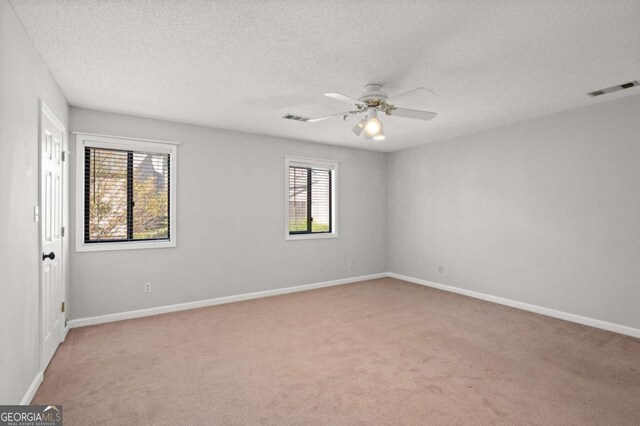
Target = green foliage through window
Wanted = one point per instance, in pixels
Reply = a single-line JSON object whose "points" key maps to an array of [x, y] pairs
{"points": [[126, 195]]}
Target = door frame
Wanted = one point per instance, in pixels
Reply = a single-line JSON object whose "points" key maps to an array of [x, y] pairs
{"points": [[43, 110]]}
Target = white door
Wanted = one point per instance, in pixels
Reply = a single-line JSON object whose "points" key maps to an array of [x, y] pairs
{"points": [[52, 135]]}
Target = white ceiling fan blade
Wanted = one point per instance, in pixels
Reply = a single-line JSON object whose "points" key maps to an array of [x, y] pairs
{"points": [[423, 92], [344, 98], [327, 117], [412, 113]]}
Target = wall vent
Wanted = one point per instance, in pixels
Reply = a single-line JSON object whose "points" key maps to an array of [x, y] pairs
{"points": [[614, 88], [295, 117]]}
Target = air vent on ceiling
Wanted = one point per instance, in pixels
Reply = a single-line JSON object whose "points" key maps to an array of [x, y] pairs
{"points": [[295, 117], [614, 88]]}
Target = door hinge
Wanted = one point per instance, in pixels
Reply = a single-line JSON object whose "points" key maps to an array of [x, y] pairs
{"points": [[62, 307], [62, 231], [64, 155]]}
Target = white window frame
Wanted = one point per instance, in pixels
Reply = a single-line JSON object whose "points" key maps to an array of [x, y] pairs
{"points": [[84, 140], [293, 161]]}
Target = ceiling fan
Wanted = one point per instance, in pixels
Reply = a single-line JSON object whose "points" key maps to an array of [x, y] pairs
{"points": [[372, 102]]}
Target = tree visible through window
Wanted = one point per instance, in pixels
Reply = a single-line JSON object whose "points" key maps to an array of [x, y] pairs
{"points": [[126, 195], [310, 200]]}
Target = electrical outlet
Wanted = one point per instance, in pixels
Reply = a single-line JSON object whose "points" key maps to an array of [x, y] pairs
{"points": [[441, 269], [350, 263], [147, 287], [420, 264]]}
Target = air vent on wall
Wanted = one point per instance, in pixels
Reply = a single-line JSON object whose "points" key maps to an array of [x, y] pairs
{"points": [[614, 88], [295, 117]]}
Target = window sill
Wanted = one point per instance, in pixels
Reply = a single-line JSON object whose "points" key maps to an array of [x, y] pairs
{"points": [[294, 237], [129, 245]]}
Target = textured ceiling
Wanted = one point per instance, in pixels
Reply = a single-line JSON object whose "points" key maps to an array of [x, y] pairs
{"points": [[241, 65]]}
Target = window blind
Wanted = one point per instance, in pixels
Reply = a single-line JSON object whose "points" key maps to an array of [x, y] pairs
{"points": [[310, 200], [127, 195]]}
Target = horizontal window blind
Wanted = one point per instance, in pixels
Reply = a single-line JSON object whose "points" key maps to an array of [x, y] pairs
{"points": [[298, 199], [310, 200], [127, 195]]}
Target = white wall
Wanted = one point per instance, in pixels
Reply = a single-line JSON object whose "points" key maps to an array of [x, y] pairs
{"points": [[24, 80], [231, 221], [545, 211]]}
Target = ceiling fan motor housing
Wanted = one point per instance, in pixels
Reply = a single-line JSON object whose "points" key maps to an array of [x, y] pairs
{"points": [[373, 95]]}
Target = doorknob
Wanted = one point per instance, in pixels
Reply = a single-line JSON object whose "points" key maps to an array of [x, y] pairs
{"points": [[51, 256]]}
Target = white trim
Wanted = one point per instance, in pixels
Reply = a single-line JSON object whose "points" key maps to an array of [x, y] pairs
{"points": [[122, 245], [318, 236], [85, 139], [604, 325], [51, 116], [609, 326], [31, 392], [46, 111], [318, 164], [81, 322], [115, 143], [125, 138], [311, 161], [66, 238]]}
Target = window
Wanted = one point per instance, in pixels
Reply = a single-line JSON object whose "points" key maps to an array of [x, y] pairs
{"points": [[311, 195], [126, 194]]}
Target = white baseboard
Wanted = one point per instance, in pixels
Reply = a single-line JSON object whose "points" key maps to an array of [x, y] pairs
{"points": [[81, 322], [31, 392], [609, 326], [616, 328]]}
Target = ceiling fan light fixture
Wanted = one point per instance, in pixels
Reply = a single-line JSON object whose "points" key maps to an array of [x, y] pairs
{"points": [[378, 137], [357, 129], [372, 101], [373, 126]]}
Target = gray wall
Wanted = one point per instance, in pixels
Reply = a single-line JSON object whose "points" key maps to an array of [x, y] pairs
{"points": [[231, 221], [23, 80], [545, 211]]}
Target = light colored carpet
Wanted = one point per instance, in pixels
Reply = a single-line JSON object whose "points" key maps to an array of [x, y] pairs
{"points": [[375, 352]]}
